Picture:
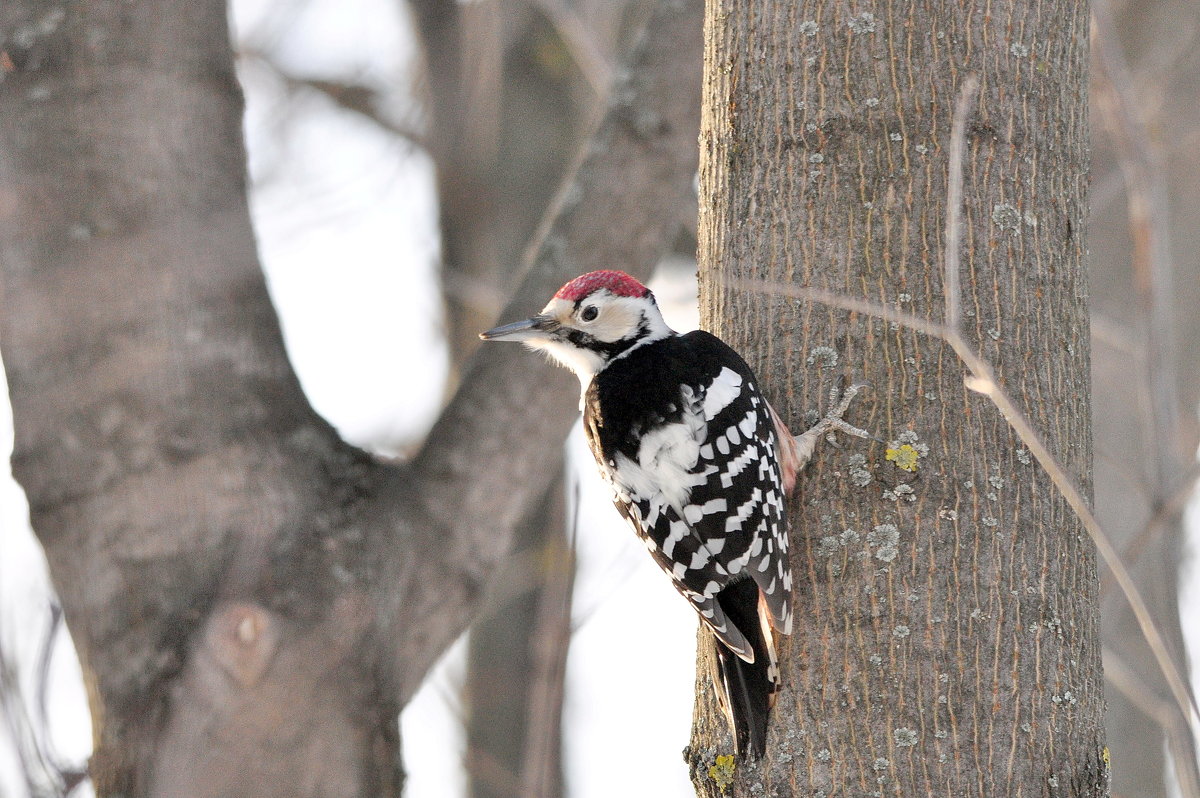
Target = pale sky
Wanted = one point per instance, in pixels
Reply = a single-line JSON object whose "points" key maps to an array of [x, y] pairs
{"points": [[346, 221]]}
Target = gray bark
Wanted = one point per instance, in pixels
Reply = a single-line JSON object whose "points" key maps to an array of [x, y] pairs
{"points": [[252, 599], [947, 636]]}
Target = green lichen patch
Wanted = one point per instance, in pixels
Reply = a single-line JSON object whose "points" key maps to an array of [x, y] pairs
{"points": [[905, 456], [722, 772]]}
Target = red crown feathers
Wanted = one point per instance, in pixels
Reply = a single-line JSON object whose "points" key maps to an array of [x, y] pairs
{"points": [[618, 283]]}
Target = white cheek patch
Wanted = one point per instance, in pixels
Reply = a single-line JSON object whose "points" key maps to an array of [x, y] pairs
{"points": [[623, 317], [616, 321]]}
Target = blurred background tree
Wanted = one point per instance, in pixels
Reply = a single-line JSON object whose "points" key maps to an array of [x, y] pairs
{"points": [[1146, 361], [248, 589], [501, 103]]}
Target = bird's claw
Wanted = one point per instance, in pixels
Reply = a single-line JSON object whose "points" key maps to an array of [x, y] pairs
{"points": [[833, 420]]}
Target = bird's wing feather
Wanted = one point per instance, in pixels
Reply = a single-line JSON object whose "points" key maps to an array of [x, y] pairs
{"points": [[739, 459], [704, 493]]}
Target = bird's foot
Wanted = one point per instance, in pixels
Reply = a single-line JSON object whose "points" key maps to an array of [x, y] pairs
{"points": [[833, 421]]}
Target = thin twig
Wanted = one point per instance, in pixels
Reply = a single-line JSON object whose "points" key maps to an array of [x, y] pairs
{"points": [[45, 655], [952, 268], [833, 299], [1129, 683], [1166, 511], [357, 98], [34, 761]]}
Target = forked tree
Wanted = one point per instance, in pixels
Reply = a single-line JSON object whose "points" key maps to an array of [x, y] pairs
{"points": [[252, 599]]}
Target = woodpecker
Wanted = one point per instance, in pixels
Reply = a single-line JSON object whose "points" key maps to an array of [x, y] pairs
{"points": [[700, 466]]}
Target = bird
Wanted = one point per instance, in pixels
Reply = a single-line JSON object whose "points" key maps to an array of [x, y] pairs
{"points": [[700, 466]]}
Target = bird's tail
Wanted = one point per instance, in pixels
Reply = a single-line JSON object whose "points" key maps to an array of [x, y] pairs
{"points": [[746, 690]]}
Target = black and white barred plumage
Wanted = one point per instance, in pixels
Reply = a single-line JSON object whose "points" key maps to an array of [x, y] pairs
{"points": [[699, 466], [692, 458]]}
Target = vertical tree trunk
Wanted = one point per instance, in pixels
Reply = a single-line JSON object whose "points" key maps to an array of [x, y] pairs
{"points": [[504, 127], [510, 669], [946, 636], [177, 477], [506, 130]]}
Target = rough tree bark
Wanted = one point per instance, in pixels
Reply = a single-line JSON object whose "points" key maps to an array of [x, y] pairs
{"points": [[947, 626], [252, 599]]}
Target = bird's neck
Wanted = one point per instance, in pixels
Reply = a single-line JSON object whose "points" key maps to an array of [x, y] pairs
{"points": [[587, 367]]}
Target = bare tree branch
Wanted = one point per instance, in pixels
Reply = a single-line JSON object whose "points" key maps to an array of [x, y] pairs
{"points": [[175, 472], [509, 411], [1166, 512], [355, 97]]}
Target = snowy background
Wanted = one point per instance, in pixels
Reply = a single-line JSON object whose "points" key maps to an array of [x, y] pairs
{"points": [[346, 219], [347, 226]]}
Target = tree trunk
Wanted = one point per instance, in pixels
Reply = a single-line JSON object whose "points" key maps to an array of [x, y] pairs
{"points": [[946, 636], [252, 600], [190, 502], [508, 127], [516, 660]]}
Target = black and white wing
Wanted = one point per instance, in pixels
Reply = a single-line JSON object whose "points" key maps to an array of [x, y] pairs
{"points": [[698, 478]]}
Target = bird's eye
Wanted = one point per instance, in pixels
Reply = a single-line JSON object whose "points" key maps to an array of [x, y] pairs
{"points": [[589, 313]]}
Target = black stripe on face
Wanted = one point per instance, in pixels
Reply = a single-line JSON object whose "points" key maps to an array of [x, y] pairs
{"points": [[607, 349]]}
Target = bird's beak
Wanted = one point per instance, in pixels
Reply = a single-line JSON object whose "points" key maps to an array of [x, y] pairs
{"points": [[529, 329]]}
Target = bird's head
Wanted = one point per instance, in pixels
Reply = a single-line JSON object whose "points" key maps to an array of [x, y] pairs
{"points": [[593, 319]]}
